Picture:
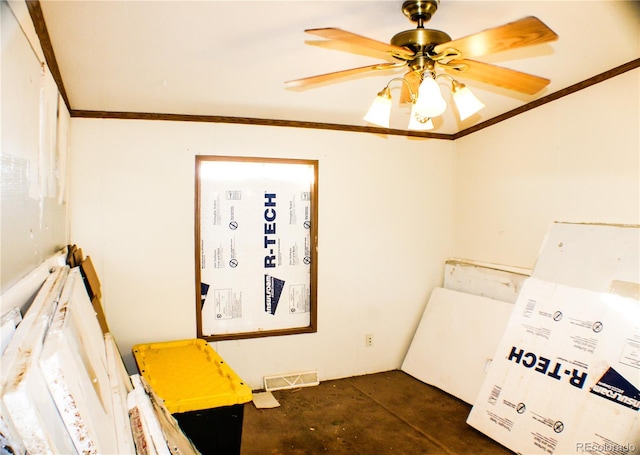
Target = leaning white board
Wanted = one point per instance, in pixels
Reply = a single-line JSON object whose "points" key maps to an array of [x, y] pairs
{"points": [[566, 376], [74, 364], [8, 323], [455, 341], [598, 257], [493, 281], [155, 441], [120, 388], [26, 400]]}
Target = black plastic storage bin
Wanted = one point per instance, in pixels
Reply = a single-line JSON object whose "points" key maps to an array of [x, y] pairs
{"points": [[203, 394], [215, 431]]}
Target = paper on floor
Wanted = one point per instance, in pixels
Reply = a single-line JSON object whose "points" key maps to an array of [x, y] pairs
{"points": [[265, 400]]}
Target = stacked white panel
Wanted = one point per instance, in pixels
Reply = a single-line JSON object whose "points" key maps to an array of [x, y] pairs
{"points": [[74, 364], [28, 406]]}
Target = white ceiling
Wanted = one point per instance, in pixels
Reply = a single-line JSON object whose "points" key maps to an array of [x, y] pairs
{"points": [[231, 58]]}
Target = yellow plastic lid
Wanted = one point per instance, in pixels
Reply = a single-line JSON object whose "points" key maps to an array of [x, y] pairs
{"points": [[189, 375]]}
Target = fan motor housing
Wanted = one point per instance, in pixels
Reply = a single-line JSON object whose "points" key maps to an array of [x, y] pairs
{"points": [[419, 39]]}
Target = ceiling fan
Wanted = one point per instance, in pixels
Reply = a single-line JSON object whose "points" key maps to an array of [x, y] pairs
{"points": [[430, 55]]}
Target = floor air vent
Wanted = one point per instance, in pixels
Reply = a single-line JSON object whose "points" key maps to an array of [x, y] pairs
{"points": [[291, 381]]}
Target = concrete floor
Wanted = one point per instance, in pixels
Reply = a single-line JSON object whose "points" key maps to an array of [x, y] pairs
{"points": [[381, 413]]}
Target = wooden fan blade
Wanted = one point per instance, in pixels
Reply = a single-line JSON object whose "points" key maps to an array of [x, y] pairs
{"points": [[525, 32], [362, 41], [413, 78], [497, 75], [347, 47], [340, 74]]}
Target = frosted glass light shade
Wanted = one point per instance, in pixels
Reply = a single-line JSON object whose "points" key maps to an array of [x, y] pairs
{"points": [[380, 110], [466, 102], [418, 123], [430, 102]]}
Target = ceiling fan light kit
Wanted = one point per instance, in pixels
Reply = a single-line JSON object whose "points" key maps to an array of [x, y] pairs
{"points": [[465, 100], [427, 103], [431, 55], [380, 110], [419, 123]]}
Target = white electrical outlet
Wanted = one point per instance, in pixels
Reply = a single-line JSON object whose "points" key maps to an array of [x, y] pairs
{"points": [[368, 340]]}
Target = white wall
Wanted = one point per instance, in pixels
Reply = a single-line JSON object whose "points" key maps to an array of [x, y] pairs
{"points": [[33, 152], [392, 210], [385, 230], [576, 159]]}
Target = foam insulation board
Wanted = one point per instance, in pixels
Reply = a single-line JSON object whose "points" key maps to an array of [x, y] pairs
{"points": [[566, 376], [74, 365], [25, 396], [22, 293], [487, 280], [590, 256], [8, 323], [139, 429], [140, 403], [177, 441], [120, 387], [10, 441], [455, 341]]}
